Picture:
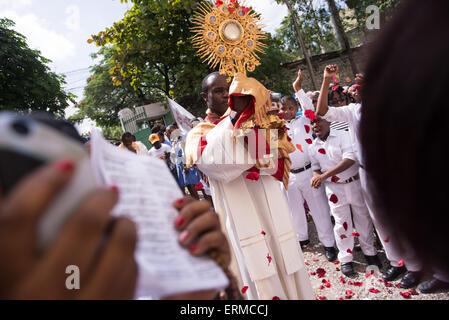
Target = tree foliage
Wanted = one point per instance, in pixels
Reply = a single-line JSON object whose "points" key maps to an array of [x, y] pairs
{"points": [[26, 83], [149, 55], [152, 50], [103, 100], [316, 30]]}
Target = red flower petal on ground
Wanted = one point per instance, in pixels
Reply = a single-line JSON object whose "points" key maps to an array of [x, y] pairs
{"points": [[357, 283], [373, 290], [349, 294], [349, 251], [389, 291], [254, 176], [336, 262], [343, 236], [309, 141], [269, 258], [322, 298], [313, 273], [342, 280], [355, 234], [315, 260], [401, 262], [345, 225], [414, 292], [321, 272], [276, 298], [263, 232], [322, 151], [406, 295], [244, 289], [333, 198], [334, 179], [388, 284], [307, 128]]}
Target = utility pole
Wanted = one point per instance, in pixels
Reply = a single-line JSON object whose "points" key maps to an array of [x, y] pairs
{"points": [[341, 34], [301, 42]]}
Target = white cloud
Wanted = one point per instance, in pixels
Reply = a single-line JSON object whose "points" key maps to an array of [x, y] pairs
{"points": [[14, 4], [272, 13], [52, 45], [73, 19]]}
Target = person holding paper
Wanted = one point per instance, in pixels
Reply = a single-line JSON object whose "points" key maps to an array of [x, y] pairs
{"points": [[247, 193], [112, 274]]}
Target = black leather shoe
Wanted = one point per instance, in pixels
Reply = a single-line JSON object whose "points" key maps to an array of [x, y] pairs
{"points": [[373, 261], [330, 253], [432, 286], [347, 269], [411, 279], [304, 243], [393, 272]]}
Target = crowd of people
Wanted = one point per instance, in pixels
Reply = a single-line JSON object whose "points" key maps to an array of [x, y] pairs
{"points": [[357, 158]]}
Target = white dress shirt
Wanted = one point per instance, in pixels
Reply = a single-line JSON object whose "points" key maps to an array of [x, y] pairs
{"points": [[325, 155], [352, 115]]}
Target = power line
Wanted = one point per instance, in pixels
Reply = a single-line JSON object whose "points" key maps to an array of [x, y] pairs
{"points": [[74, 71]]}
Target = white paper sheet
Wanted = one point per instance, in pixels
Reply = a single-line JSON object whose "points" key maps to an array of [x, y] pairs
{"points": [[147, 191]]}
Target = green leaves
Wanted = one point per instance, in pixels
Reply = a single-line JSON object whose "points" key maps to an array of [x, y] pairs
{"points": [[26, 82]]}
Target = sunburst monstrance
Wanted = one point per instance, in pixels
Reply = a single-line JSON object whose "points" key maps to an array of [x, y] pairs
{"points": [[228, 33]]}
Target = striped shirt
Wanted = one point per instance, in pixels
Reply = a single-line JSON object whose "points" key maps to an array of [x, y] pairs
{"points": [[338, 125]]}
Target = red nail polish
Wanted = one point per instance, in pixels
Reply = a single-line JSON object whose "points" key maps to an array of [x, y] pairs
{"points": [[65, 166], [193, 247], [183, 236], [179, 221], [180, 201], [114, 188]]}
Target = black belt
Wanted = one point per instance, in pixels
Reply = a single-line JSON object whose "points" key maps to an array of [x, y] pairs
{"points": [[354, 178], [301, 169]]}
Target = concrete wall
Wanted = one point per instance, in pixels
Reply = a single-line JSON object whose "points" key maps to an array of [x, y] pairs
{"points": [[320, 61]]}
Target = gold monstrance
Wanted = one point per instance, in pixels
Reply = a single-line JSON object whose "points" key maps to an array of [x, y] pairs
{"points": [[229, 34]]}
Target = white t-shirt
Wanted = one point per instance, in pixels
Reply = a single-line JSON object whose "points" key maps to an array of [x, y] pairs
{"points": [[325, 155], [159, 152], [352, 115]]}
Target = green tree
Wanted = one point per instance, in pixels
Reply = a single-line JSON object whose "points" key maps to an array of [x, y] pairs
{"points": [[153, 50], [149, 55], [103, 100], [269, 73], [26, 83]]}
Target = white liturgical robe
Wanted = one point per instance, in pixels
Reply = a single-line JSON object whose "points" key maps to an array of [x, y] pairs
{"points": [[257, 219]]}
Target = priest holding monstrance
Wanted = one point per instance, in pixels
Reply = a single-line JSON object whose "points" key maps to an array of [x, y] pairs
{"points": [[245, 154]]}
